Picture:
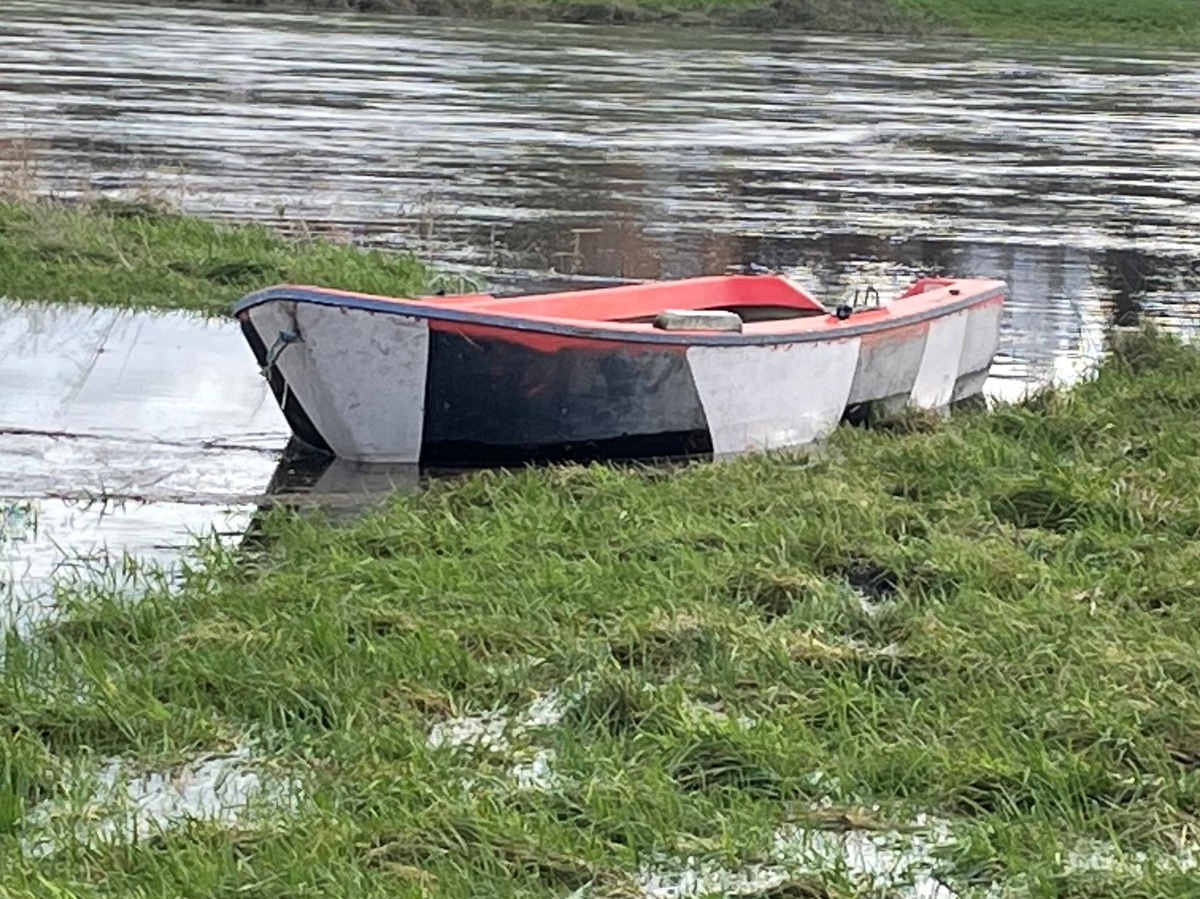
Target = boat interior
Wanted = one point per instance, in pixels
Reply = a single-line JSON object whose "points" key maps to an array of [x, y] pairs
{"points": [[752, 298], [711, 303]]}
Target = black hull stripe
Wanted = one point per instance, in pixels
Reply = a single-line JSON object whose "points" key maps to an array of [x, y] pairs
{"points": [[498, 392]]}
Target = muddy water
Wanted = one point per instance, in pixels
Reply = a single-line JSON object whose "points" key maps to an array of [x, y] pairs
{"points": [[524, 150]]}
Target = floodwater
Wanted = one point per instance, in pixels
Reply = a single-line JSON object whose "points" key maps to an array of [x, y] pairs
{"points": [[123, 431], [136, 432], [528, 152]]}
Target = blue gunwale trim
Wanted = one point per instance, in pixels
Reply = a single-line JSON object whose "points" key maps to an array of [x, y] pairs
{"points": [[416, 309]]}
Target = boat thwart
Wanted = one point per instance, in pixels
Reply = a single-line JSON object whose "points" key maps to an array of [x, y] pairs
{"points": [[722, 364]]}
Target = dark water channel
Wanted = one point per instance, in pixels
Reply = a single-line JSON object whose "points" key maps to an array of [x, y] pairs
{"points": [[530, 152]]}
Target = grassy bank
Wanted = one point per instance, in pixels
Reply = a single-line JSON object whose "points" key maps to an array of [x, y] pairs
{"points": [[1163, 23], [138, 255], [972, 644], [1154, 22]]}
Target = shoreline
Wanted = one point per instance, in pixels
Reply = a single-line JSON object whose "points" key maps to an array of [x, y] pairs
{"points": [[146, 254], [1170, 24]]}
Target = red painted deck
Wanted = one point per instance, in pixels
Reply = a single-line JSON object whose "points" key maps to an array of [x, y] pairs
{"points": [[771, 304]]}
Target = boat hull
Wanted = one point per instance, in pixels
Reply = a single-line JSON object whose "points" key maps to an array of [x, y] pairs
{"points": [[375, 384]]}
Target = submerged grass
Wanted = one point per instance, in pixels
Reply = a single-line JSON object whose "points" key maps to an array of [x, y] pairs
{"points": [[141, 254], [568, 681]]}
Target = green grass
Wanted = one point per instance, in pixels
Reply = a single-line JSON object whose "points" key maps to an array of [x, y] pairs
{"points": [[1173, 23], [990, 619], [137, 255], [1163, 22]]}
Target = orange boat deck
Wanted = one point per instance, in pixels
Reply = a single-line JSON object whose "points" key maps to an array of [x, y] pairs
{"points": [[766, 307]]}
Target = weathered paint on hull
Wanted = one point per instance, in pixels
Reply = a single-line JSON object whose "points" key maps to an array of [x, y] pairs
{"points": [[356, 379], [385, 387], [486, 388]]}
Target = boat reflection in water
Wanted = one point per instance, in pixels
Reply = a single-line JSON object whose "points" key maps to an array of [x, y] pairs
{"points": [[339, 490]]}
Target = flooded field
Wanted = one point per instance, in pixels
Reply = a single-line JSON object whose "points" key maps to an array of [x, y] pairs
{"points": [[124, 431], [528, 152], [130, 432]]}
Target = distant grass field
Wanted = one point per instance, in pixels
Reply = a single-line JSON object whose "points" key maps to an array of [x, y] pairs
{"points": [[972, 644], [1143, 22], [135, 255], [1174, 23]]}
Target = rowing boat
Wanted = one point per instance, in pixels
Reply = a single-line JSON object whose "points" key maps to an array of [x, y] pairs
{"points": [[718, 365]]}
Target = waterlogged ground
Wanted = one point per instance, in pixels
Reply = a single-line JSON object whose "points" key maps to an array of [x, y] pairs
{"points": [[951, 661], [124, 432], [127, 436]]}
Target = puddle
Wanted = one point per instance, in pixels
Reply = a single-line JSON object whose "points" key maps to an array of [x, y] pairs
{"points": [[122, 434], [115, 544], [496, 730], [536, 773], [500, 732], [131, 804], [901, 863], [879, 863]]}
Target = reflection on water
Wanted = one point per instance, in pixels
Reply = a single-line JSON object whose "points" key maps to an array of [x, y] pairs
{"points": [[134, 433], [495, 142], [534, 152], [116, 544], [123, 432]]}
